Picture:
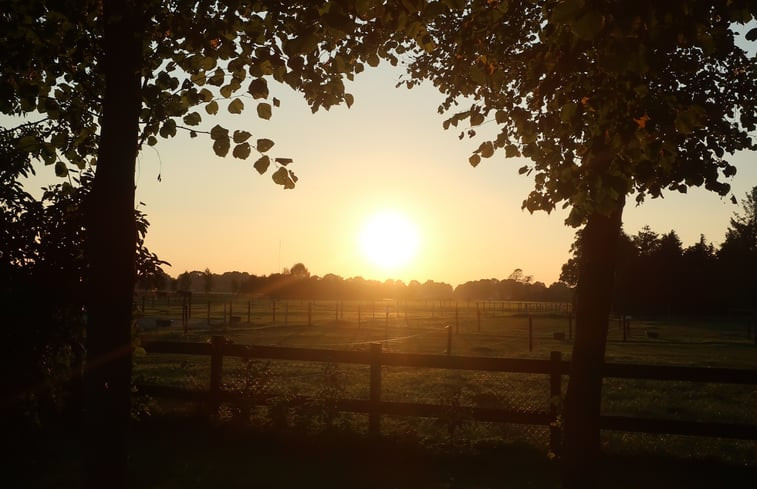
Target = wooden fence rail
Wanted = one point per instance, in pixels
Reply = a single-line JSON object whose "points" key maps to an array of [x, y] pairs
{"points": [[375, 358]]}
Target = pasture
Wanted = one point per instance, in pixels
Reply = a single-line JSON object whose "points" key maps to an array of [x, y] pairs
{"points": [[484, 329]]}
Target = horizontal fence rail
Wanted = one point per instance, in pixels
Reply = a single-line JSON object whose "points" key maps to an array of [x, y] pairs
{"points": [[375, 358]]}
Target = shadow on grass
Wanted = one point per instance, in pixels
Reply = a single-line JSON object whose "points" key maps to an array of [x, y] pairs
{"points": [[183, 453]]}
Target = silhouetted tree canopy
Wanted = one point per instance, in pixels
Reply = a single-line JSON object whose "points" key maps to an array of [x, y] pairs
{"points": [[656, 275]]}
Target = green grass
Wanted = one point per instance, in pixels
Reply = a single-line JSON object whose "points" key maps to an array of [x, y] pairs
{"points": [[681, 341]]}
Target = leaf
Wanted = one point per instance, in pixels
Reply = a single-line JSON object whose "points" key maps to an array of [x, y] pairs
{"points": [[264, 110], [349, 99], [373, 60], [689, 119], [221, 146], [236, 106], [474, 160], [152, 140], [217, 78], [27, 143], [511, 151], [219, 132], [207, 63], [258, 88], [284, 161], [206, 95], [486, 149], [500, 116], [642, 121], [212, 108], [281, 177], [241, 136], [262, 164], [476, 119], [522, 170], [242, 151], [752, 34], [226, 91], [192, 119], [264, 145], [568, 111], [565, 11], [60, 169], [276, 102], [589, 25], [168, 129], [477, 75]]}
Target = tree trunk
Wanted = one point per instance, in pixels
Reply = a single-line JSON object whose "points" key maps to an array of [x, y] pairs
{"points": [[112, 250], [593, 302]]}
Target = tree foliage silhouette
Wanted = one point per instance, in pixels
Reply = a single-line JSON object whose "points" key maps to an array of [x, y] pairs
{"points": [[100, 79], [607, 100]]}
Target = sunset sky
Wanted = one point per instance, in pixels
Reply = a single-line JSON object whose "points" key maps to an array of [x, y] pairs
{"points": [[386, 154]]}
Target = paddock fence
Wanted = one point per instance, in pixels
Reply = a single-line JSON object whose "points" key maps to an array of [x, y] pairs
{"points": [[554, 368]]}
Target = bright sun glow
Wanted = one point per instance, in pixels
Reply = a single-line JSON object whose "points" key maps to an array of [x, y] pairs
{"points": [[389, 240]]}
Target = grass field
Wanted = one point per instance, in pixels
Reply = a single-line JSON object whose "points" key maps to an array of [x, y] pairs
{"points": [[501, 331], [173, 453]]}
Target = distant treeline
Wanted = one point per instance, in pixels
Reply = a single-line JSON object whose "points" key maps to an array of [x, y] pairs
{"points": [[297, 283], [656, 274]]}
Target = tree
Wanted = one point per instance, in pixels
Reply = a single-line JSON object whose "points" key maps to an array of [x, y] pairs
{"points": [[207, 280], [104, 78], [184, 281], [738, 254], [606, 99], [44, 273], [299, 270]]}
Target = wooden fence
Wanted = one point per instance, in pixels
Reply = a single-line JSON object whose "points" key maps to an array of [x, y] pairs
{"points": [[375, 358]]}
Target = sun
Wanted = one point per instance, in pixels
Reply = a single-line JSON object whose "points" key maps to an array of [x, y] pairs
{"points": [[389, 240]]}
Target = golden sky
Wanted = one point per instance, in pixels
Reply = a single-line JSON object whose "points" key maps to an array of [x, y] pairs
{"points": [[388, 153]]}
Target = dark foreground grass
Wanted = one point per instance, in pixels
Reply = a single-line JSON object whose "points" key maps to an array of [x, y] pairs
{"points": [[177, 452]]}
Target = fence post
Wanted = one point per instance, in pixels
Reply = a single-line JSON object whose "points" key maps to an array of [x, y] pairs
{"points": [[478, 316], [216, 372], [449, 339], [310, 313], [530, 333], [286, 313], [273, 306], [457, 320], [570, 325], [555, 401], [230, 310], [208, 313], [624, 327], [249, 310], [374, 417], [183, 318], [386, 323]]}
